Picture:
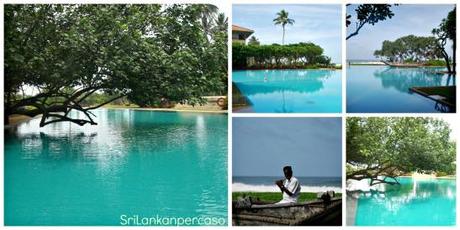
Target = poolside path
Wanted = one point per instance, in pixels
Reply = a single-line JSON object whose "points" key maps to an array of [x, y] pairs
{"points": [[351, 206]]}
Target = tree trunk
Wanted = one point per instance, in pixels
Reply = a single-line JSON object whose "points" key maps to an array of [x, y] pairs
{"points": [[283, 37], [6, 114], [454, 46], [446, 58], [6, 120]]}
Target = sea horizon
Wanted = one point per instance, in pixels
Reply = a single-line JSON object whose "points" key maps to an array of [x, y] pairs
{"points": [[363, 60], [267, 183]]}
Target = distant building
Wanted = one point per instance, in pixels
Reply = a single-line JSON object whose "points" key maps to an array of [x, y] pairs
{"points": [[240, 34]]}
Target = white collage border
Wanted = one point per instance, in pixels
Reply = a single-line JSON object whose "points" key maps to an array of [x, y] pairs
{"points": [[226, 7]]}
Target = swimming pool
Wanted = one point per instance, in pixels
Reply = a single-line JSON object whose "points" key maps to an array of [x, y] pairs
{"points": [[423, 202], [144, 163], [290, 91], [372, 89]]}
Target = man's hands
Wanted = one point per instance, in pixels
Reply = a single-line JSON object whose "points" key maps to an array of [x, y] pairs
{"points": [[282, 188], [280, 184]]}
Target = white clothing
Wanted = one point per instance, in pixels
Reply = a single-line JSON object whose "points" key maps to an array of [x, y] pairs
{"points": [[293, 186]]}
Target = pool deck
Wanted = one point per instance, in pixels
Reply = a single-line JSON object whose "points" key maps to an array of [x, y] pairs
{"points": [[15, 120], [211, 106], [18, 119], [448, 177], [442, 94], [171, 110], [351, 205]]}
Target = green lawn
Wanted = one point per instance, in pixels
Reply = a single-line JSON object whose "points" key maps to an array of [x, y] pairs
{"points": [[276, 196]]}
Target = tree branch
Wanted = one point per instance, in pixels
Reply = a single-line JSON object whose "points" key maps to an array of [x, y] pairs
{"points": [[361, 24], [59, 110]]}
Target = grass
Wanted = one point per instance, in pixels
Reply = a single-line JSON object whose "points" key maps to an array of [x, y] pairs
{"points": [[436, 63], [276, 196]]}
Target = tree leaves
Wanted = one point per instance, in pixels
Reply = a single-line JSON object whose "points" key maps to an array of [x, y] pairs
{"points": [[369, 14], [276, 56], [151, 53], [409, 48], [392, 146], [447, 30]]}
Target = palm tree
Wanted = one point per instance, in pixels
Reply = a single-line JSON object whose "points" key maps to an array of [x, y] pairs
{"points": [[283, 20], [253, 41], [221, 23], [208, 17]]}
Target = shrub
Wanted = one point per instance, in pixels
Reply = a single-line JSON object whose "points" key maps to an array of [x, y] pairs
{"points": [[300, 55]]}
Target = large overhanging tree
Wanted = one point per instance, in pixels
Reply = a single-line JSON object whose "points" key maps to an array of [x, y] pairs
{"points": [[409, 48], [381, 149], [149, 53]]}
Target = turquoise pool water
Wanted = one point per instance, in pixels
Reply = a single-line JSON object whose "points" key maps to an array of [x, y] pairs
{"points": [[372, 89], [290, 91], [426, 202], [132, 163]]}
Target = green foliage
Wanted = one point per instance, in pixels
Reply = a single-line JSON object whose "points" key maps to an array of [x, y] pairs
{"points": [[436, 62], [451, 25], [369, 14], [390, 147], [441, 174], [409, 48], [253, 41], [149, 53], [301, 55], [99, 98], [193, 66], [447, 30]]}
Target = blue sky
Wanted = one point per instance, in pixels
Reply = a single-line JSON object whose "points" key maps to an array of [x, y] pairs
{"points": [[408, 19], [262, 146], [320, 24]]}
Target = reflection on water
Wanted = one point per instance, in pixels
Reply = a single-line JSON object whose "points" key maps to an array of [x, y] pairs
{"points": [[402, 79], [287, 91], [132, 162], [413, 202], [386, 89]]}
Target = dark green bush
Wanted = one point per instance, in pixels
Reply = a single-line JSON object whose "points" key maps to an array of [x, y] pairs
{"points": [[300, 55]]}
